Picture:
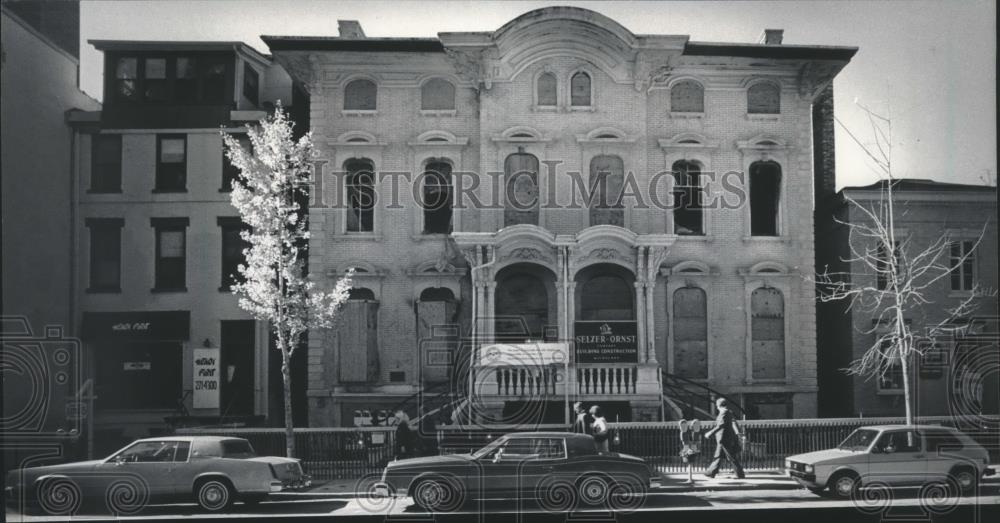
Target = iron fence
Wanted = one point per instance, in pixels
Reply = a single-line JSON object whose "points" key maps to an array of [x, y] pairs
{"points": [[353, 452]]}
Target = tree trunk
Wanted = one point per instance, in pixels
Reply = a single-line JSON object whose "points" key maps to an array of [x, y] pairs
{"points": [[286, 378], [904, 365]]}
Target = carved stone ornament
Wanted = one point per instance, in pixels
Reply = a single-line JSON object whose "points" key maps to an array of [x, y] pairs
{"points": [[468, 65]]}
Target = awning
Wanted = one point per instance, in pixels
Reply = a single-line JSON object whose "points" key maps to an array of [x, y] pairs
{"points": [[137, 326], [523, 354]]}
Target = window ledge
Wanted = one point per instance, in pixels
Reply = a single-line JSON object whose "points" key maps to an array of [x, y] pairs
{"points": [[959, 294], [96, 191], [686, 116], [104, 290], [763, 117], [767, 239], [695, 237], [225, 190], [170, 191], [428, 236], [438, 112], [359, 112], [162, 290], [545, 108], [582, 108], [365, 237], [889, 392]]}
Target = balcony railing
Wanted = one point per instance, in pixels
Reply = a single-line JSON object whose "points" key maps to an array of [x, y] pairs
{"points": [[606, 379]]}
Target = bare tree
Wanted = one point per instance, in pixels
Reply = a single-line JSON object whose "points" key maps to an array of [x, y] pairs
{"points": [[273, 183], [892, 280]]}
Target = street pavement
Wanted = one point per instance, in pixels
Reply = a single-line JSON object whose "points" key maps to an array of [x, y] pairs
{"points": [[770, 497]]}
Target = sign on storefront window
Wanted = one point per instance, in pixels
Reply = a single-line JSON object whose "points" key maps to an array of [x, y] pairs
{"points": [[206, 378], [606, 342]]}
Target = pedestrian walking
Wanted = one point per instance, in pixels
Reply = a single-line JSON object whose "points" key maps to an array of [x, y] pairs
{"points": [[727, 438], [404, 436], [583, 422], [599, 429], [690, 446]]}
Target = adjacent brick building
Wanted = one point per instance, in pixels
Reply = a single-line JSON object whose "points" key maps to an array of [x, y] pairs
{"points": [[716, 296], [956, 375]]}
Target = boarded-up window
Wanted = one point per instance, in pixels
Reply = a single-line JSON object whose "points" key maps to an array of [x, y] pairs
{"points": [[690, 333], [437, 331], [547, 89], [360, 195], [357, 338], [687, 96], [437, 95], [763, 98], [579, 86], [767, 313], [360, 95], [687, 198], [765, 195], [521, 173], [437, 198], [607, 179]]}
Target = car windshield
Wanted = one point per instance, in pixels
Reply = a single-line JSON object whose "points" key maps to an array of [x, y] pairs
{"points": [[237, 449], [859, 440], [485, 451]]}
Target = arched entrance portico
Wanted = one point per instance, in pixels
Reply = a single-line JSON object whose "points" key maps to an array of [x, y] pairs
{"points": [[525, 303], [605, 292]]}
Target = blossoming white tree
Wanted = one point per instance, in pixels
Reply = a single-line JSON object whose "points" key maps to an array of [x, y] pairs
{"points": [[269, 195]]}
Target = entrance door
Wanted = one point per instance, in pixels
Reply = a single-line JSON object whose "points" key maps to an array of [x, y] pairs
{"points": [[237, 347]]}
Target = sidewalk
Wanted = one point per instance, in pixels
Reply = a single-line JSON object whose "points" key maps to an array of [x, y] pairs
{"points": [[669, 482]]}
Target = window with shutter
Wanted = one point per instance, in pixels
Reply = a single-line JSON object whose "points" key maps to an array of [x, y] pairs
{"points": [[767, 313], [688, 216], [690, 325]]}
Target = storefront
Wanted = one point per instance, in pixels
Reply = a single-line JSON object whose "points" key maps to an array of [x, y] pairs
{"points": [[137, 361]]}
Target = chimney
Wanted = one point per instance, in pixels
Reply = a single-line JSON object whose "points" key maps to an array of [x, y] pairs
{"points": [[350, 29], [772, 36]]}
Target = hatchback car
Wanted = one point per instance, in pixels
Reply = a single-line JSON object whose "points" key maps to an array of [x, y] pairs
{"points": [[557, 469], [893, 455], [212, 471]]}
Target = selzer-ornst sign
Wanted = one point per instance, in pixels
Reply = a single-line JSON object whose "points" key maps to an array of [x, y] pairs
{"points": [[606, 342]]}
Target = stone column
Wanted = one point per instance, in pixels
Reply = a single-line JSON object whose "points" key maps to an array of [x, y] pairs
{"points": [[650, 323], [640, 319]]}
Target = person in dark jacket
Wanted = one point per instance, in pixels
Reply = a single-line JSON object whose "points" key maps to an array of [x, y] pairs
{"points": [[583, 419], [727, 438]]}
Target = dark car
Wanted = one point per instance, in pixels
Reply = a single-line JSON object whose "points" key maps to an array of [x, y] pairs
{"points": [[213, 471], [557, 469]]}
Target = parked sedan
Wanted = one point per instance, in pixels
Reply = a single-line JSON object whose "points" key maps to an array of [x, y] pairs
{"points": [[893, 455], [557, 469], [212, 471]]}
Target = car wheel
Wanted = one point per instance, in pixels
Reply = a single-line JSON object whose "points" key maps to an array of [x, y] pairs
{"points": [[594, 490], [214, 495], [437, 495], [58, 496], [844, 484], [965, 478]]}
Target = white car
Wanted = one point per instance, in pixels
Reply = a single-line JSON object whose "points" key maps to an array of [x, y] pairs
{"points": [[891, 456]]}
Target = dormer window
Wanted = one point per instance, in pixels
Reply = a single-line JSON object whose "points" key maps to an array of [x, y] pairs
{"points": [[580, 90], [547, 90], [126, 78]]}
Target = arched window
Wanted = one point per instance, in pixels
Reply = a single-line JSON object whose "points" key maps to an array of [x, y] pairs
{"points": [[360, 195], [607, 297], [690, 325], [688, 216], [360, 95], [522, 305], [546, 89], [437, 94], [763, 98], [437, 198], [521, 175], [579, 90], [607, 180], [767, 330], [687, 96], [765, 198], [357, 338]]}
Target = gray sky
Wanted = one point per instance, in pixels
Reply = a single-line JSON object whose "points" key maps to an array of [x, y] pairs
{"points": [[930, 65]]}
